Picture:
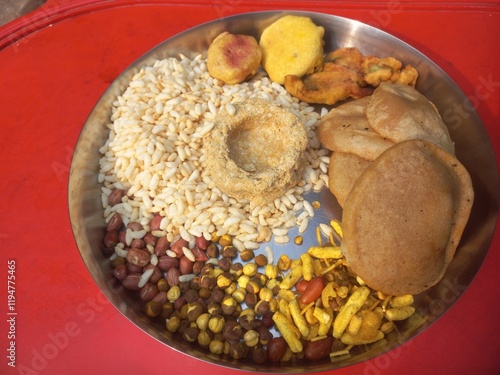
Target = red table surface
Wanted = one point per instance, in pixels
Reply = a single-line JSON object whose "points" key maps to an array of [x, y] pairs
{"points": [[56, 63]]}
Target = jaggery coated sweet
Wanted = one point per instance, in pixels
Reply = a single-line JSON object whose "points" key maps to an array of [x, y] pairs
{"points": [[257, 153]]}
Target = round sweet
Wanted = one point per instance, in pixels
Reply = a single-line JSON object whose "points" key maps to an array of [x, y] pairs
{"points": [[233, 58], [257, 153]]}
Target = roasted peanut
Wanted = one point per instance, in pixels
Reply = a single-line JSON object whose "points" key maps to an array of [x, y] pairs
{"points": [[131, 281], [318, 349], [185, 265], [148, 291], [138, 257], [111, 239], [115, 223], [201, 243], [173, 277], [120, 271], [166, 262], [276, 349]]}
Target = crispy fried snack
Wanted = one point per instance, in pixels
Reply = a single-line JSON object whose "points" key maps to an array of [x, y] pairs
{"points": [[348, 74], [292, 45], [334, 83], [348, 57], [388, 69]]}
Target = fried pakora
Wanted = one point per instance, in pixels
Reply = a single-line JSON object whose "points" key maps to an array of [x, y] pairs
{"points": [[292, 45], [334, 83], [388, 69], [347, 73]]}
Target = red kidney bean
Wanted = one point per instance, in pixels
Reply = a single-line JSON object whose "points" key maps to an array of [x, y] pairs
{"points": [[302, 285], [313, 290]]}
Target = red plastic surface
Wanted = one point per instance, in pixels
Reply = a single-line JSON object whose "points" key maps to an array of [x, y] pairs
{"points": [[57, 61]]}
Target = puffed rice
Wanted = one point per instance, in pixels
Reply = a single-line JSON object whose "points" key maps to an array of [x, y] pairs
{"points": [[154, 151]]}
